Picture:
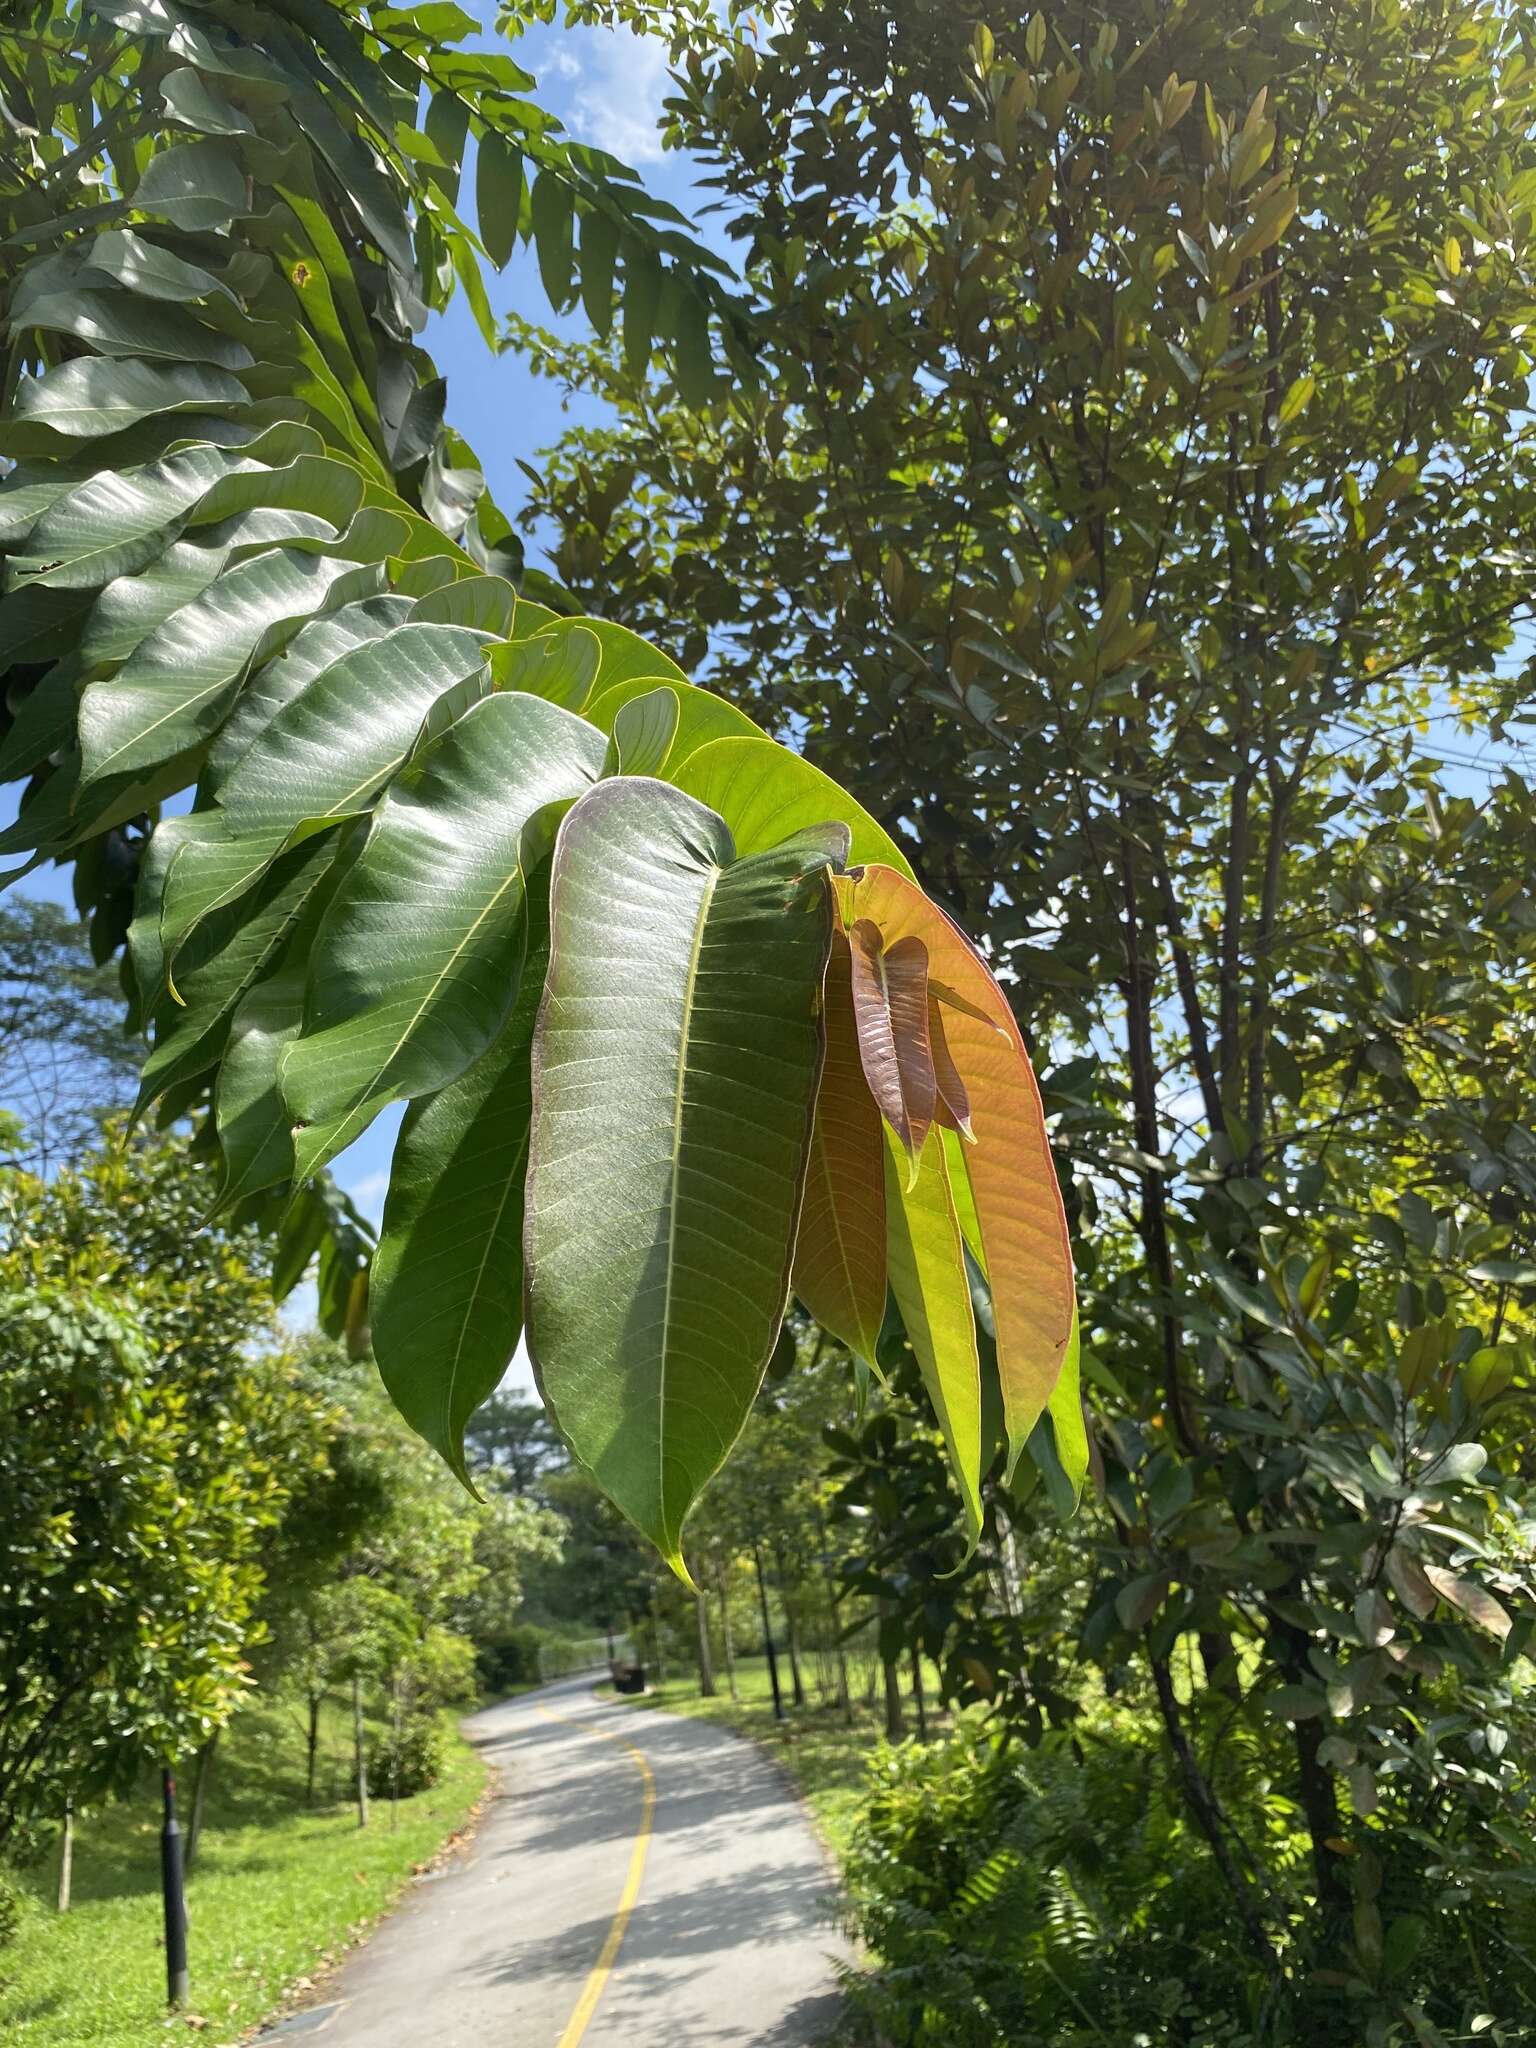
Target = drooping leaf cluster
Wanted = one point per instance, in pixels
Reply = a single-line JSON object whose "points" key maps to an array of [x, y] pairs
{"points": [[444, 847]]}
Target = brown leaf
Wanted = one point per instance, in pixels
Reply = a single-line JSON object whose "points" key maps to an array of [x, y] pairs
{"points": [[1474, 1601], [1409, 1582], [839, 1269], [953, 1107], [890, 1007]]}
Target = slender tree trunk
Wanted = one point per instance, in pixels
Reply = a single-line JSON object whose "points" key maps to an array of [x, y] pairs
{"points": [[67, 1856], [918, 1703], [199, 1800], [727, 1641], [359, 1751], [844, 1696], [1209, 1818], [706, 1664], [895, 1719], [397, 1717], [796, 1679], [312, 1747]]}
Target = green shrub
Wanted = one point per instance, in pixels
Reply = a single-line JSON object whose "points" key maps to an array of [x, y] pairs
{"points": [[10, 1909], [1059, 1897], [509, 1658], [407, 1760]]}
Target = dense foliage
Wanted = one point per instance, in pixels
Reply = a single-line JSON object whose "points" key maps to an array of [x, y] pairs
{"points": [[150, 1452]]}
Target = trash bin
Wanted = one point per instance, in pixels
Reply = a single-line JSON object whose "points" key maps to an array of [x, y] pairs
{"points": [[629, 1678]]}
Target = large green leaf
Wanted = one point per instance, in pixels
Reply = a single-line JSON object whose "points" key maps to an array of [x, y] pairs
{"points": [[928, 1278], [173, 690], [675, 1068], [296, 772], [763, 792], [447, 1287], [277, 682], [95, 395], [416, 964], [223, 960], [120, 521]]}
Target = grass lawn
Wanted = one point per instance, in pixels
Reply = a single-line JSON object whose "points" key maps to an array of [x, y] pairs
{"points": [[279, 1891], [824, 1754]]}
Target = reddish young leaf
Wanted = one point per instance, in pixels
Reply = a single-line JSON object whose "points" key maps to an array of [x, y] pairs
{"points": [[1019, 1212], [890, 1008], [953, 1108], [839, 1270]]}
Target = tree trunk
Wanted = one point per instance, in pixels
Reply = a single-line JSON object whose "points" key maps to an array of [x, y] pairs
{"points": [[895, 1720], [844, 1696], [797, 1681], [67, 1855], [727, 1642], [918, 1702], [394, 1758], [706, 1666], [199, 1800], [359, 1751], [312, 1747]]}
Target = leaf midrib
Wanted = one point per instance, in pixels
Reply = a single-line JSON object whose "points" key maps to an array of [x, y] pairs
{"points": [[689, 988]]}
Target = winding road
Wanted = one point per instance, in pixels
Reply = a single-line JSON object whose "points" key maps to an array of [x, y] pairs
{"points": [[638, 1881]]}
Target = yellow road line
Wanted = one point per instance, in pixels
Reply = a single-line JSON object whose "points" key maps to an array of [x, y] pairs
{"points": [[602, 1969]]}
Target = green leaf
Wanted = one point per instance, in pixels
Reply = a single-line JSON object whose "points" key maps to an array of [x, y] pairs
{"points": [[1058, 1444], [117, 522], [485, 603], [701, 716], [447, 1287], [560, 665], [675, 1067], [195, 185], [926, 1261], [764, 792], [643, 731], [151, 272], [642, 299], [97, 395], [174, 689], [277, 682], [254, 1129], [599, 250], [225, 958], [119, 324], [695, 372], [498, 195], [552, 216], [192, 101], [294, 774], [416, 964]]}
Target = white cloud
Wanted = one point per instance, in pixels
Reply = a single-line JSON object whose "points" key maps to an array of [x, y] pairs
{"points": [[617, 81]]}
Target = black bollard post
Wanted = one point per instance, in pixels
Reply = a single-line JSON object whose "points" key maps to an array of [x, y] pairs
{"points": [[175, 1897], [773, 1662]]}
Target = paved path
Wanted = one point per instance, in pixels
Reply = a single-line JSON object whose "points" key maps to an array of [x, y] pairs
{"points": [[599, 1808]]}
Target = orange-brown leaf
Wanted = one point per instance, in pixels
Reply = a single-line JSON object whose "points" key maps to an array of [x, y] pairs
{"points": [[890, 1008], [953, 1108], [1018, 1202], [839, 1270]]}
